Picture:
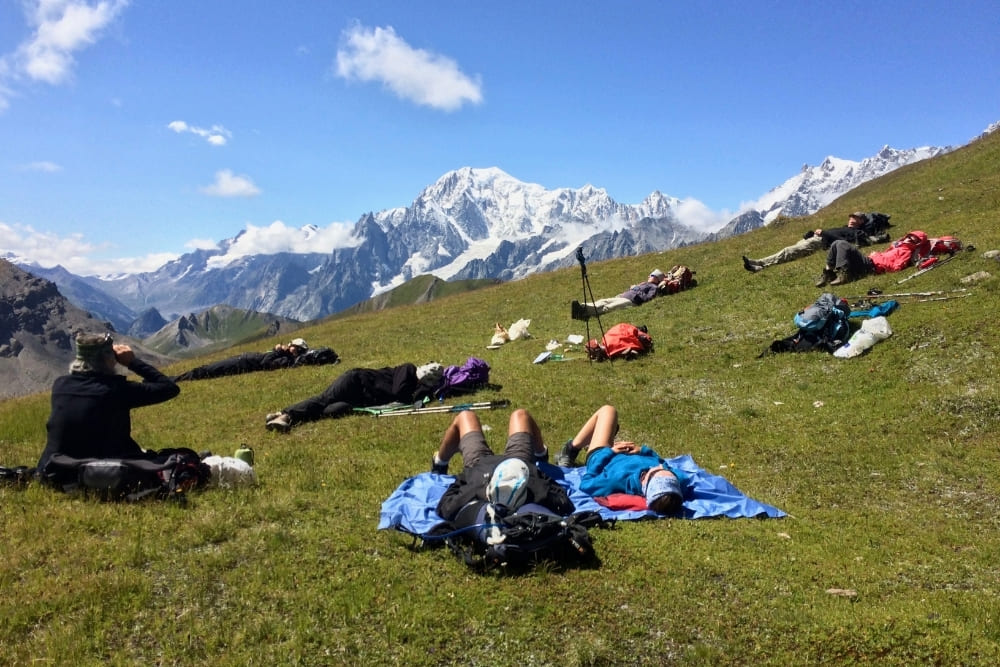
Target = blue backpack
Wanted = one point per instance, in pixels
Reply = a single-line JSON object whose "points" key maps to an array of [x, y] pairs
{"points": [[826, 318]]}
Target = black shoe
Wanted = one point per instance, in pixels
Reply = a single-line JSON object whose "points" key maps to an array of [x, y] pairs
{"points": [[579, 311], [567, 457], [750, 265], [438, 468]]}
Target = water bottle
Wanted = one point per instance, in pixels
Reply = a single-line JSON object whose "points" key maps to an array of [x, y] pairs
{"points": [[245, 454]]}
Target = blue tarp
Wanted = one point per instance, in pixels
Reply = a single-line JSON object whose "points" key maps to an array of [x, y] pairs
{"points": [[411, 507]]}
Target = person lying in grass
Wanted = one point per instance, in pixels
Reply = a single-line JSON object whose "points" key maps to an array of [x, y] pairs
{"points": [[360, 388], [485, 475], [623, 466]]}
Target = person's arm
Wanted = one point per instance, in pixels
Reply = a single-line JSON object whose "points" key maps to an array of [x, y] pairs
{"points": [[155, 386]]}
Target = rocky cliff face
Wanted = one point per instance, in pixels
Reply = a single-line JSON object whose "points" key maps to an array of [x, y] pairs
{"points": [[36, 331], [37, 327]]}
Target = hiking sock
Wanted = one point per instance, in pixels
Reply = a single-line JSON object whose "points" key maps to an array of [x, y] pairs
{"points": [[438, 466], [543, 456]]}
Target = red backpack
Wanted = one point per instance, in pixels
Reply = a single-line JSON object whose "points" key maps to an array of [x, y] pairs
{"points": [[945, 245], [678, 278], [621, 341]]}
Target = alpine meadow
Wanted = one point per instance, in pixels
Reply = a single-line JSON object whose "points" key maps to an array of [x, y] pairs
{"points": [[887, 465]]}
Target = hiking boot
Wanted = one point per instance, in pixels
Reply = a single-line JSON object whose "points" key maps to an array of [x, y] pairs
{"points": [[271, 416], [750, 265], [825, 277], [438, 468], [578, 312], [842, 278], [282, 423], [567, 456]]}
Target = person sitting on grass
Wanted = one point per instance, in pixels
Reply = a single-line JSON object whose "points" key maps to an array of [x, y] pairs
{"points": [[624, 466], [361, 388], [90, 416], [859, 232], [844, 262], [636, 295], [480, 465]]}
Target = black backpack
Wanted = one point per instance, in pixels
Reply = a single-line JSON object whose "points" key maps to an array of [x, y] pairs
{"points": [[166, 475], [317, 357], [489, 537]]}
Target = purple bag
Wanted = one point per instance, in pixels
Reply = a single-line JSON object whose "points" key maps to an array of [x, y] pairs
{"points": [[468, 377]]}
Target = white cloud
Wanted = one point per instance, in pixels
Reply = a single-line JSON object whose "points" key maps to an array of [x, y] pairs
{"points": [[201, 244], [72, 252], [420, 76], [279, 237], [216, 135], [228, 184], [696, 215], [61, 28], [42, 165]]}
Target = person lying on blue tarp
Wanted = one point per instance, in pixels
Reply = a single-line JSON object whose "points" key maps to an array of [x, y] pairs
{"points": [[623, 467]]}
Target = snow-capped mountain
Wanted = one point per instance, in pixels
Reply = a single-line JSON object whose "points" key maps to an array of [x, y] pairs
{"points": [[471, 223], [815, 187]]}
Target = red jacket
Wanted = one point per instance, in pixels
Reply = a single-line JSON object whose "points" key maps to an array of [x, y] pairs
{"points": [[902, 253]]}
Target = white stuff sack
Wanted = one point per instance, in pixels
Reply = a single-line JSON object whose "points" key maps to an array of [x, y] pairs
{"points": [[228, 472], [519, 329], [872, 331]]}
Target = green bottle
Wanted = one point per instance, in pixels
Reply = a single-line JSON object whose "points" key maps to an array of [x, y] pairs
{"points": [[245, 453]]}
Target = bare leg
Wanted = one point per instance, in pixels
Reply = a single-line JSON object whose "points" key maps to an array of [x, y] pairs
{"points": [[464, 422], [521, 421], [599, 430]]}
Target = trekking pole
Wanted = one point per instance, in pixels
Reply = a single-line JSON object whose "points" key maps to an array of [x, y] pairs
{"points": [[933, 266], [942, 298], [586, 290], [873, 293], [438, 409]]}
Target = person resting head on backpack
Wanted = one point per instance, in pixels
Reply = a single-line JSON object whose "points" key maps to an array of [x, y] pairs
{"points": [[511, 479], [844, 262], [90, 416], [282, 355], [361, 388], [862, 229], [636, 295], [623, 466]]}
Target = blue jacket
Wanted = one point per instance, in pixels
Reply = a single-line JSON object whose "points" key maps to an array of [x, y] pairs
{"points": [[609, 472]]}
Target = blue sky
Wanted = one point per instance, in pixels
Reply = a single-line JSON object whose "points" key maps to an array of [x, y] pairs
{"points": [[132, 132]]}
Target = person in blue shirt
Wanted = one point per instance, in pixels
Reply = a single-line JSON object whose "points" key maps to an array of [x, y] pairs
{"points": [[623, 466]]}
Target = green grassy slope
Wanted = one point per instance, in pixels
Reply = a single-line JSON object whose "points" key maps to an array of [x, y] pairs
{"points": [[887, 465]]}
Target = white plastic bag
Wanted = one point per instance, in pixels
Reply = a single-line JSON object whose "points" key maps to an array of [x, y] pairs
{"points": [[872, 331], [519, 329], [228, 471]]}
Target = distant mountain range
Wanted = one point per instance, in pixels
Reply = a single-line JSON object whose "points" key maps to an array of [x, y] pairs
{"points": [[470, 224]]}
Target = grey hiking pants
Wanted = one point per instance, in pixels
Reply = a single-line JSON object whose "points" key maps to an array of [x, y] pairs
{"points": [[790, 253], [843, 256]]}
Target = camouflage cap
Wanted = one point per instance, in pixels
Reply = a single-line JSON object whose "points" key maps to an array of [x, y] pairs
{"points": [[90, 347]]}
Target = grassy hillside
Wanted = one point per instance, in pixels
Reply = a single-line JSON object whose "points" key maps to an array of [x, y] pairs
{"points": [[887, 465]]}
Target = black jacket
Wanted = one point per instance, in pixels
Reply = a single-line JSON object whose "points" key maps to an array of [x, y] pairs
{"points": [[90, 412], [361, 388]]}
